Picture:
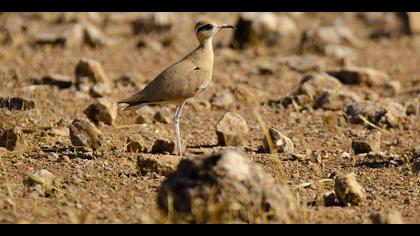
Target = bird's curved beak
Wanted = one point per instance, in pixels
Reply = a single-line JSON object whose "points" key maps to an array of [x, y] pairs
{"points": [[226, 26]]}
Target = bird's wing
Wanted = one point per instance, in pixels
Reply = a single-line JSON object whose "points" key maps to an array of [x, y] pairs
{"points": [[179, 81]]}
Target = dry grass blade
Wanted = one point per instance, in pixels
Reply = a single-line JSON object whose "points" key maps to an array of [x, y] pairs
{"points": [[296, 105], [303, 185], [307, 184], [270, 144], [40, 181], [325, 180], [368, 123], [265, 131]]}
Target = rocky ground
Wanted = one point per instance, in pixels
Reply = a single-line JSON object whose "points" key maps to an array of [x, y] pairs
{"points": [[310, 118]]}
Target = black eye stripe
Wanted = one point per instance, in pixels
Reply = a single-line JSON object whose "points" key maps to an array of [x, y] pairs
{"points": [[205, 27]]}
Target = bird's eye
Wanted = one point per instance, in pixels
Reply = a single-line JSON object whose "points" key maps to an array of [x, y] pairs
{"points": [[209, 27], [205, 27]]}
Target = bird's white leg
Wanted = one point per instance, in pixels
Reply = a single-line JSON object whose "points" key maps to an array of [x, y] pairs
{"points": [[176, 127]]}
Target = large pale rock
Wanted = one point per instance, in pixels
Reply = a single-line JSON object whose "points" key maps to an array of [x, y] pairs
{"points": [[241, 189]]}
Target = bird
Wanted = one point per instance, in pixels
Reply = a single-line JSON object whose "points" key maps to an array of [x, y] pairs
{"points": [[182, 80]]}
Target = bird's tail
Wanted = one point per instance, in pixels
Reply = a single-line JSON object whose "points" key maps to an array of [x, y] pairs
{"points": [[132, 103]]}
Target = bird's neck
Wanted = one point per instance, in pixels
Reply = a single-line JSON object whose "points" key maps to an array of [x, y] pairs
{"points": [[204, 53], [207, 44]]}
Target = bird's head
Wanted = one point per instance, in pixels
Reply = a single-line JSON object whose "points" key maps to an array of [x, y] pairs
{"points": [[205, 30]]}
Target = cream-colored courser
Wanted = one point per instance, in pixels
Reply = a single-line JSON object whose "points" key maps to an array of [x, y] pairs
{"points": [[182, 80]]}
